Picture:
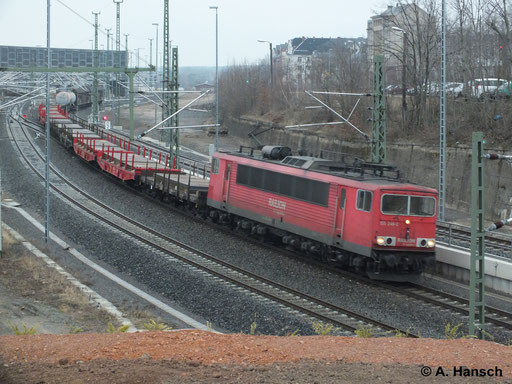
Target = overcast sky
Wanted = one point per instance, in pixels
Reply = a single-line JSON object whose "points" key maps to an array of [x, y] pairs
{"points": [[192, 23]]}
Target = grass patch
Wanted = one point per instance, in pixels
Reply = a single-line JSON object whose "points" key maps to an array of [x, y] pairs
{"points": [[74, 330], [27, 276], [141, 317], [454, 332], [154, 326], [321, 328], [8, 241], [364, 332], [112, 329], [398, 333], [252, 330], [24, 330]]}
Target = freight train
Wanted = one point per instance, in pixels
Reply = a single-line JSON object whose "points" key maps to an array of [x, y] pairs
{"points": [[361, 216], [76, 98]]}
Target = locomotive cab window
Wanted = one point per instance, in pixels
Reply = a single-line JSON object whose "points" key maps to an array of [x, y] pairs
{"points": [[215, 165], [408, 205], [364, 200], [422, 206], [395, 204]]}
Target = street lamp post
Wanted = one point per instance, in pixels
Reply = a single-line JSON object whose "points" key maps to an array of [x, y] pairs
{"points": [[138, 57], [126, 43], [271, 61], [329, 63], [216, 76], [108, 37], [150, 52], [47, 130], [404, 68], [156, 49]]}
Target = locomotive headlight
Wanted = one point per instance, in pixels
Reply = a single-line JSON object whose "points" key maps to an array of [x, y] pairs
{"points": [[431, 243], [381, 240], [407, 221]]}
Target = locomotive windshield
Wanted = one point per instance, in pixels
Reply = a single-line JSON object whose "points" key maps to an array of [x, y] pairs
{"points": [[408, 205]]}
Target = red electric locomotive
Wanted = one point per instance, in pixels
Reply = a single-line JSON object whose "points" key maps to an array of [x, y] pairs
{"points": [[360, 215]]}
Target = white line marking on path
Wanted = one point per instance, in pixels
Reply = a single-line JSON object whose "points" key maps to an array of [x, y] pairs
{"points": [[157, 303]]}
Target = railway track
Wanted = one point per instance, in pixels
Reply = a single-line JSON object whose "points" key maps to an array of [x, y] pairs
{"points": [[495, 317], [442, 300], [171, 248]]}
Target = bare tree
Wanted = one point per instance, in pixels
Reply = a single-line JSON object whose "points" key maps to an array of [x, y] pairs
{"points": [[419, 21], [498, 19]]}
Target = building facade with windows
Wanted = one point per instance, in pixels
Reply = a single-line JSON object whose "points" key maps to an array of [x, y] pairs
{"points": [[297, 58], [391, 32]]}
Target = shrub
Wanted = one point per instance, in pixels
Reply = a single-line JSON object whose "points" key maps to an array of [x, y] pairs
{"points": [[398, 333], [74, 330], [154, 326], [364, 332], [121, 329], [452, 332], [321, 328], [25, 331]]}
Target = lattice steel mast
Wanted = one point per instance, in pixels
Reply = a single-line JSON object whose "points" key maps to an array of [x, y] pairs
{"points": [[379, 112], [95, 108], [174, 133], [442, 119], [107, 75], [476, 324], [166, 70], [169, 84], [118, 57]]}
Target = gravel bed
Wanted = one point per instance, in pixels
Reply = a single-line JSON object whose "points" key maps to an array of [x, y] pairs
{"points": [[373, 302]]}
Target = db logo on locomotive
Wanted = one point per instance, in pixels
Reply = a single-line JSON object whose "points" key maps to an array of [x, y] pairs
{"points": [[276, 203]]}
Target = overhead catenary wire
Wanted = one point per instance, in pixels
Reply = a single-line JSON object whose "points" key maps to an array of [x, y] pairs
{"points": [[314, 124], [340, 93], [101, 30], [11, 102], [21, 101], [171, 116], [338, 114]]}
